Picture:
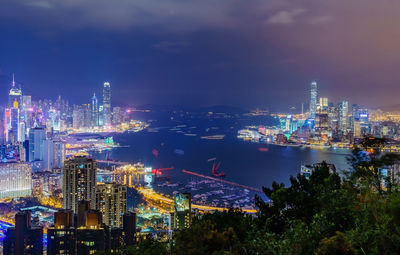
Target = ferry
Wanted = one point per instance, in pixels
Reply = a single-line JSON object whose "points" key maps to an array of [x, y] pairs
{"points": [[190, 134], [213, 137]]}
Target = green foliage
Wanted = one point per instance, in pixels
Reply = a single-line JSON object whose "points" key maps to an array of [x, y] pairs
{"points": [[323, 215]]}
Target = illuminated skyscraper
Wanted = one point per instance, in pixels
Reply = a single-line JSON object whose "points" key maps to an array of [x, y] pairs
{"points": [[14, 94], [107, 104], [14, 121], [117, 115], [323, 103], [95, 111], [343, 108], [111, 202], [79, 182], [36, 141], [313, 99]]}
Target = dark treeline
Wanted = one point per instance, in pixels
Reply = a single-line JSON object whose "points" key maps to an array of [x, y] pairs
{"points": [[324, 214]]}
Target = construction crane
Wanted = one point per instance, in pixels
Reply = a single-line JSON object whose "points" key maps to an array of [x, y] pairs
{"points": [[214, 170]]}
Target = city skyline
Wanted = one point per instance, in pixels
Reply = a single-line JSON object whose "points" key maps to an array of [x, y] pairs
{"points": [[200, 55]]}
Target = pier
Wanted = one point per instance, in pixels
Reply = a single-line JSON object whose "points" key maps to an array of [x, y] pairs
{"points": [[222, 181]]}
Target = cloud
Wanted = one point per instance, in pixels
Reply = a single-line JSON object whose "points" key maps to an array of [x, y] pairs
{"points": [[285, 17]]}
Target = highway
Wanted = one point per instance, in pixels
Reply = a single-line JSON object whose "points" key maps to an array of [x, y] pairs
{"points": [[166, 203]]}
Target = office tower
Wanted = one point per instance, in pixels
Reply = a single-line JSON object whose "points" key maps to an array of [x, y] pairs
{"points": [[2, 126], [25, 238], [129, 228], [54, 119], [22, 152], [21, 131], [111, 202], [79, 182], [343, 108], [61, 237], [58, 154], [106, 104], [323, 103], [48, 154], [313, 99], [357, 129], [322, 128], [78, 117], [95, 111], [117, 116], [15, 180], [288, 123], [14, 121], [37, 136], [183, 211], [26, 112], [53, 154], [14, 94], [87, 115], [355, 111], [101, 123], [363, 116]]}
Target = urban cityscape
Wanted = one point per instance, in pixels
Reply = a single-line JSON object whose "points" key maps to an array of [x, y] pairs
{"points": [[199, 128]]}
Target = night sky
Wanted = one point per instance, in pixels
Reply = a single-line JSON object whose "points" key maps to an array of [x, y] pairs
{"points": [[254, 53]]}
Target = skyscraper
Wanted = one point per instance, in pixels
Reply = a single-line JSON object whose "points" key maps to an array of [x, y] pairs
{"points": [[343, 108], [111, 202], [117, 115], [95, 111], [107, 104], [36, 139], [15, 93], [313, 99], [79, 182]]}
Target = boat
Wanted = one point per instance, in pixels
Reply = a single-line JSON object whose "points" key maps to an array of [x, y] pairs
{"points": [[213, 137]]}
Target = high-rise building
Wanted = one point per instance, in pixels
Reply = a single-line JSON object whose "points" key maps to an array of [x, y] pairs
{"points": [[323, 103], [14, 121], [21, 131], [14, 94], [343, 108], [26, 112], [37, 136], [61, 237], [313, 99], [95, 111], [79, 182], [183, 211], [106, 104], [53, 154], [111, 202], [25, 238], [58, 154], [15, 180], [117, 115]]}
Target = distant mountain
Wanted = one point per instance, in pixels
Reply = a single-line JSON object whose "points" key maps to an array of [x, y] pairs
{"points": [[390, 108], [216, 108]]}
